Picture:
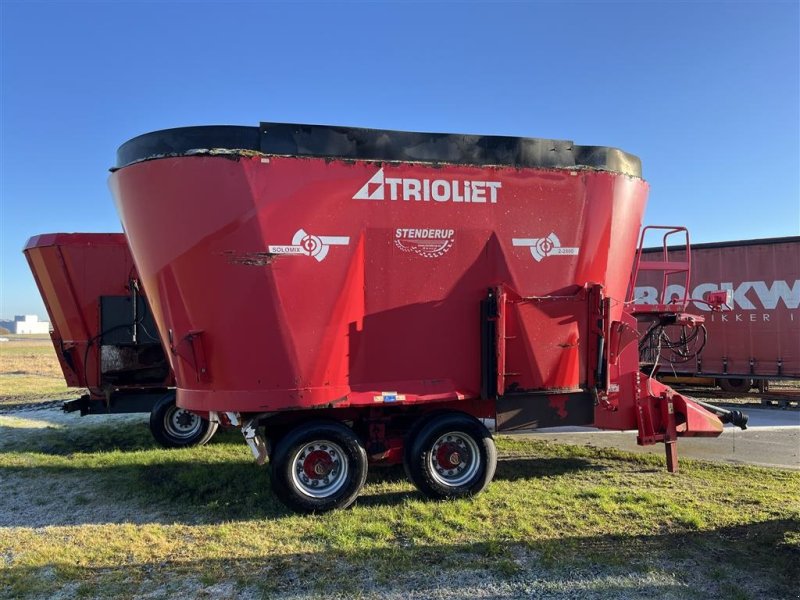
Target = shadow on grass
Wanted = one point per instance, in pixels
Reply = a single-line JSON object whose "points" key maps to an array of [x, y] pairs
{"points": [[166, 488], [88, 437], [92, 435], [30, 404], [516, 468], [207, 485], [750, 561], [508, 469], [187, 491]]}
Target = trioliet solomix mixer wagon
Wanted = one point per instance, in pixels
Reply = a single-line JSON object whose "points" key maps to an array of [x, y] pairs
{"points": [[350, 297], [104, 335]]}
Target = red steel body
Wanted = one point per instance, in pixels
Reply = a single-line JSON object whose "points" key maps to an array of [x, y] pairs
{"points": [[73, 271], [255, 331], [288, 280], [758, 335]]}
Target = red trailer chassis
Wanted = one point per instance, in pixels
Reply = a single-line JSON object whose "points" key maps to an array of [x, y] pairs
{"points": [[104, 335], [348, 295]]}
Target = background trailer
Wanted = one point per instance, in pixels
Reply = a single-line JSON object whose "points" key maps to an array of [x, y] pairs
{"points": [[756, 335], [104, 334]]}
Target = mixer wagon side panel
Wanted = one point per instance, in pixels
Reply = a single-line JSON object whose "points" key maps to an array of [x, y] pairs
{"points": [[299, 282]]}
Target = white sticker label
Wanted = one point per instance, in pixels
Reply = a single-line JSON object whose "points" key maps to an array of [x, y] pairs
{"points": [[305, 244], [541, 248], [389, 397], [429, 243]]}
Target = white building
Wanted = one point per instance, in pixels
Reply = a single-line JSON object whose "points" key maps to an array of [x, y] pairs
{"points": [[30, 324]]}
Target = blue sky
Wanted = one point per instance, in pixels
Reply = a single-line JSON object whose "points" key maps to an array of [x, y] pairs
{"points": [[706, 93]]}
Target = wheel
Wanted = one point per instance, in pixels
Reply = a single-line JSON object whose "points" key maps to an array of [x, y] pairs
{"points": [[738, 386], [412, 435], [318, 467], [176, 427], [451, 456]]}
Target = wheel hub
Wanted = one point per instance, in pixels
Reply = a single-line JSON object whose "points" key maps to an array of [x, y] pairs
{"points": [[448, 456], [318, 464], [454, 459], [184, 419], [181, 423], [320, 469]]}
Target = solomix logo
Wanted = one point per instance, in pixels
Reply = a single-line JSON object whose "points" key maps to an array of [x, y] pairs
{"points": [[467, 191]]}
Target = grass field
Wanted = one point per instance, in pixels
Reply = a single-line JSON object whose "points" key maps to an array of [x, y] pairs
{"points": [[91, 507], [29, 371], [97, 510]]}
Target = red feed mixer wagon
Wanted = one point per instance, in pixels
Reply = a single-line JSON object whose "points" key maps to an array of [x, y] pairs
{"points": [[104, 335], [350, 297]]}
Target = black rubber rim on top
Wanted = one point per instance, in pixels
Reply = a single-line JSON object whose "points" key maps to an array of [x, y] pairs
{"points": [[355, 143]]}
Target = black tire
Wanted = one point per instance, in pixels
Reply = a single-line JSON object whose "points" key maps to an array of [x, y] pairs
{"points": [[412, 435], [175, 427], [318, 467], [441, 441], [735, 386]]}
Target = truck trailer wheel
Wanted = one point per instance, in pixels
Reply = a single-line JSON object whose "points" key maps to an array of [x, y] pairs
{"points": [[451, 456], [176, 427], [318, 467], [737, 386]]}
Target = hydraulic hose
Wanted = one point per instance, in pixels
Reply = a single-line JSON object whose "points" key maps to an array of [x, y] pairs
{"points": [[734, 417]]}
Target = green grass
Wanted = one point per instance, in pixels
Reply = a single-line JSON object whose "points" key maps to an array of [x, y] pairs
{"points": [[207, 515], [24, 388], [29, 372]]}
